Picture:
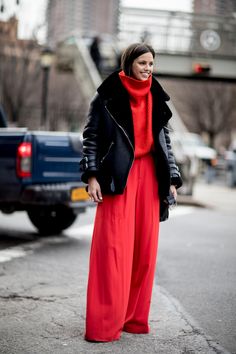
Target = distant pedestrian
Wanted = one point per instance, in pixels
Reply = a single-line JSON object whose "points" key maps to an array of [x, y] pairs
{"points": [[210, 170], [3, 118], [95, 52], [130, 170]]}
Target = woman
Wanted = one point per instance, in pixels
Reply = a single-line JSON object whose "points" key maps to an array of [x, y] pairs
{"points": [[130, 170]]}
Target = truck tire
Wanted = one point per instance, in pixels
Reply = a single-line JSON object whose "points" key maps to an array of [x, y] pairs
{"points": [[51, 221]]}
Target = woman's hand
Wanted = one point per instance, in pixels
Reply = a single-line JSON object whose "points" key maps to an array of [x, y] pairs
{"points": [[173, 191], [94, 190]]}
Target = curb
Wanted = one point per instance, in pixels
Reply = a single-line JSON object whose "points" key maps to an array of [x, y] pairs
{"points": [[177, 331], [189, 200]]}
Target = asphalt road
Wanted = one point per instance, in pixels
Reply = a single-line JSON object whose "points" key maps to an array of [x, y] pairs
{"points": [[196, 266]]}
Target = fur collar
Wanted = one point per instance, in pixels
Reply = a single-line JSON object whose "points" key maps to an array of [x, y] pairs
{"points": [[116, 100], [112, 86]]}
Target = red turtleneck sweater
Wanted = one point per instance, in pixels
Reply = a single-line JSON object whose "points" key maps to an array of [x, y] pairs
{"points": [[141, 106]]}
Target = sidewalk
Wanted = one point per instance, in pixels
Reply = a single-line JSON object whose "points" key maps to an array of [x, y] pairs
{"points": [[215, 195]]}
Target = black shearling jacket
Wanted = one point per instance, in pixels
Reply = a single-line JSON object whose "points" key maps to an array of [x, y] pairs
{"points": [[108, 140]]}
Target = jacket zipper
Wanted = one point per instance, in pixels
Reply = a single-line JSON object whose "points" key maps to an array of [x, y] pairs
{"points": [[126, 137], [103, 158]]}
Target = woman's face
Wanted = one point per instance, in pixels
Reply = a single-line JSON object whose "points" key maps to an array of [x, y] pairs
{"points": [[142, 66]]}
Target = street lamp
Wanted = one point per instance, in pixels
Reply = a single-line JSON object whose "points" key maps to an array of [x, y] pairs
{"points": [[46, 62]]}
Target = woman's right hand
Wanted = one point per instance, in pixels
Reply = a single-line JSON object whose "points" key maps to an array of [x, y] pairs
{"points": [[94, 190]]}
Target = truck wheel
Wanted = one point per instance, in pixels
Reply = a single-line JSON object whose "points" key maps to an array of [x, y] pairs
{"points": [[51, 221]]}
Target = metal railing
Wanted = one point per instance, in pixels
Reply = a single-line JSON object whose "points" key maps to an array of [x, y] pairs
{"points": [[179, 32]]}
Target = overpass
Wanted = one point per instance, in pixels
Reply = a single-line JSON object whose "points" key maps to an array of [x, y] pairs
{"points": [[187, 44], [196, 67]]}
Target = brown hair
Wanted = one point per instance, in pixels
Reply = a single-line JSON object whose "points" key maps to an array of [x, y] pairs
{"points": [[131, 53]]}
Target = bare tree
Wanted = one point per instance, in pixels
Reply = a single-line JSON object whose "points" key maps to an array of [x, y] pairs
{"points": [[20, 74], [212, 107], [21, 90], [66, 106], [206, 107]]}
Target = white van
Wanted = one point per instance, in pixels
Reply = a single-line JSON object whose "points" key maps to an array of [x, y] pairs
{"points": [[192, 155]]}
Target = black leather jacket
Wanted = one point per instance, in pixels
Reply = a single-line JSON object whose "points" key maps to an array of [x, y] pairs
{"points": [[108, 140]]}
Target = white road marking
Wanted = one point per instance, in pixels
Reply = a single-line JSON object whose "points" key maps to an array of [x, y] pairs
{"points": [[77, 232], [10, 253]]}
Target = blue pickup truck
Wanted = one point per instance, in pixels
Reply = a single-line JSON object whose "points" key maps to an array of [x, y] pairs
{"points": [[39, 173]]}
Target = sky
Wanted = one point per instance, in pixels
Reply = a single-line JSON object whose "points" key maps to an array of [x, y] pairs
{"points": [[174, 5], [31, 12]]}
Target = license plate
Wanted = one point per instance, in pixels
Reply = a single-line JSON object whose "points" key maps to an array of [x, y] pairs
{"points": [[78, 194]]}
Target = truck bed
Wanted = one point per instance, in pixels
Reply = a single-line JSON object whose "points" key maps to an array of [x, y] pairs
{"points": [[54, 167]]}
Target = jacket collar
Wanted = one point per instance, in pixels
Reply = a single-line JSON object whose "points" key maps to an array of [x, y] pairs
{"points": [[112, 87], [116, 100]]}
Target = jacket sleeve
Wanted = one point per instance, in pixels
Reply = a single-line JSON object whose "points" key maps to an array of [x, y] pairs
{"points": [[89, 163], [175, 176]]}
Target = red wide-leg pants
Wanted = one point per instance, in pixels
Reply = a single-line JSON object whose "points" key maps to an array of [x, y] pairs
{"points": [[123, 257]]}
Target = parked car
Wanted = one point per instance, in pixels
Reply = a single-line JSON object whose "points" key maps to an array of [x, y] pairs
{"points": [[40, 174], [192, 155]]}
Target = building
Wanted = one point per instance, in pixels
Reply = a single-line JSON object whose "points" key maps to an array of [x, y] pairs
{"points": [[83, 18], [19, 81], [8, 30], [21, 87], [214, 7], [214, 27]]}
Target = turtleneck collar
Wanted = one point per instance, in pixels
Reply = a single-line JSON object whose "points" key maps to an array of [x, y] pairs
{"points": [[135, 88]]}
